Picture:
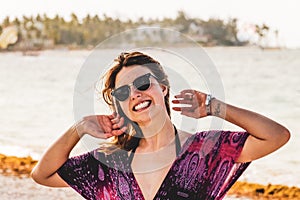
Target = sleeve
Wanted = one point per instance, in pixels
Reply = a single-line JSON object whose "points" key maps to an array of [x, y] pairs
{"points": [[230, 145], [81, 173]]}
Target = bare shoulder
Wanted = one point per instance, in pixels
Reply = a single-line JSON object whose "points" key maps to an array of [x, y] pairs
{"points": [[183, 136]]}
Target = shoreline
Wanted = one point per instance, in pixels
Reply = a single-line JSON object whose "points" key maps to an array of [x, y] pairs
{"points": [[15, 171], [35, 52]]}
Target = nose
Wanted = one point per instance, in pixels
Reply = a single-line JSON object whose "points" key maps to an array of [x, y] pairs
{"points": [[134, 93]]}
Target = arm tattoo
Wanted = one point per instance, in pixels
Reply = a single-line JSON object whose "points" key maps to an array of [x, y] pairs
{"points": [[217, 110]]}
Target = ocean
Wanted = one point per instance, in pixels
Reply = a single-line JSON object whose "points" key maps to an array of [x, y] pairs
{"points": [[37, 94]]}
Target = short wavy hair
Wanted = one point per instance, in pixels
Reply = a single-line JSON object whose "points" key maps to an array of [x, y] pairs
{"points": [[128, 59]]}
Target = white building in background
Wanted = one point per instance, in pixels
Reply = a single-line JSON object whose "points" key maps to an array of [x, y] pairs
{"points": [[155, 34]]}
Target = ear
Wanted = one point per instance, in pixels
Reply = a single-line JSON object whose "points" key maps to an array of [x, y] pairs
{"points": [[164, 89]]}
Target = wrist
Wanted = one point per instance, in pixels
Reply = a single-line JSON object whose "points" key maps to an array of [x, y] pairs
{"points": [[208, 106], [218, 108], [76, 128]]}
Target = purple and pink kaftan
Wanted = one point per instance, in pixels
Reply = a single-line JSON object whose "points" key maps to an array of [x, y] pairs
{"points": [[205, 169]]}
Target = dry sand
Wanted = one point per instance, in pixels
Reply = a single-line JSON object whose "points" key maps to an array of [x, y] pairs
{"points": [[27, 189]]}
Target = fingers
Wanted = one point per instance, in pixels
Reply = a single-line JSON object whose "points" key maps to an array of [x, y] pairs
{"points": [[104, 126], [186, 94], [112, 116], [118, 132], [185, 110], [182, 101], [115, 119], [185, 97], [177, 108], [104, 123], [190, 103], [182, 92], [187, 100], [189, 93], [117, 123], [190, 97]]}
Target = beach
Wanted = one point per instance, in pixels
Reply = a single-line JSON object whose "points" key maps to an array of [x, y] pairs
{"points": [[37, 106], [25, 188], [15, 174]]}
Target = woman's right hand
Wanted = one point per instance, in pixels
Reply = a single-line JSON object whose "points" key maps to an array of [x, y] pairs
{"points": [[101, 126]]}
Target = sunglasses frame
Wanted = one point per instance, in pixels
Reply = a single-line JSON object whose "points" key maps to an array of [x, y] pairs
{"points": [[148, 75]]}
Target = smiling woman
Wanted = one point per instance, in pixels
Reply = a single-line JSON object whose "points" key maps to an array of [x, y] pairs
{"points": [[149, 157]]}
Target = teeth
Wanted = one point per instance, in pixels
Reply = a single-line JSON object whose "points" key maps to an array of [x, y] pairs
{"points": [[142, 105]]}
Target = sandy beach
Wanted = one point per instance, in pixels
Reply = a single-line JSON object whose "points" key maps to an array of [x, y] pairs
{"points": [[26, 188], [15, 175]]}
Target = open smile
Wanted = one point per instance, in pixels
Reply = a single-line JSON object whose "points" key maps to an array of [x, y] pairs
{"points": [[142, 106]]}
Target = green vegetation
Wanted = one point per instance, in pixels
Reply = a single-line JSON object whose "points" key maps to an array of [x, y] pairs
{"points": [[41, 32]]}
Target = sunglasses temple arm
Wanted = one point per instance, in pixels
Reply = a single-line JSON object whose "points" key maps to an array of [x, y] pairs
{"points": [[114, 105]]}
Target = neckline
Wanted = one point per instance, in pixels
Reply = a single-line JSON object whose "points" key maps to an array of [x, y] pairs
{"points": [[178, 150], [177, 146]]}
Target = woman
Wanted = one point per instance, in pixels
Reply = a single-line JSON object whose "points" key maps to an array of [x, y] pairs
{"points": [[149, 158]]}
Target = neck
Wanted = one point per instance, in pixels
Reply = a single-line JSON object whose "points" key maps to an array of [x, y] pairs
{"points": [[156, 137]]}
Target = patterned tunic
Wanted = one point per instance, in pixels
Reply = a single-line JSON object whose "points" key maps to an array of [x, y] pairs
{"points": [[205, 169]]}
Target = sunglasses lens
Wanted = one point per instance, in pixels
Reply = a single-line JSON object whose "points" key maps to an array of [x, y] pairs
{"points": [[122, 93], [142, 83]]}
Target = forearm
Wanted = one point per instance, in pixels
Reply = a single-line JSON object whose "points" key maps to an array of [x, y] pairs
{"points": [[266, 135], [257, 125], [56, 154]]}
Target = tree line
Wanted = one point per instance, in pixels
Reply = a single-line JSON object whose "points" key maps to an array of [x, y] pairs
{"points": [[91, 30]]}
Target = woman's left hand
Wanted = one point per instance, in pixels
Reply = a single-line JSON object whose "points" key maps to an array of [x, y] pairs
{"points": [[193, 103]]}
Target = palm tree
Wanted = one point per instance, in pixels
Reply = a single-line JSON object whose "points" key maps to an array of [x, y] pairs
{"points": [[262, 32], [6, 22]]}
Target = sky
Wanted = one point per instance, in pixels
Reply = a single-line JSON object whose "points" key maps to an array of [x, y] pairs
{"points": [[281, 15]]}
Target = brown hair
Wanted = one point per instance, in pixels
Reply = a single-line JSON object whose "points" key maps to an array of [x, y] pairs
{"points": [[128, 141]]}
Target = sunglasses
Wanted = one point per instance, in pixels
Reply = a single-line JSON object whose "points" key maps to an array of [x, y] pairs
{"points": [[141, 83]]}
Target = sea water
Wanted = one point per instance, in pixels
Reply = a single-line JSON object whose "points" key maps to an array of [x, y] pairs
{"points": [[37, 93]]}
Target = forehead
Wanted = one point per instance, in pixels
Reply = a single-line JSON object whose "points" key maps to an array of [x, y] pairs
{"points": [[129, 74]]}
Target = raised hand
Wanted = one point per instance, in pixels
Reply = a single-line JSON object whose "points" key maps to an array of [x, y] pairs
{"points": [[191, 103], [101, 126]]}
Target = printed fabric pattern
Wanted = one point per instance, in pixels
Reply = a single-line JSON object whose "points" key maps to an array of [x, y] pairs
{"points": [[205, 169]]}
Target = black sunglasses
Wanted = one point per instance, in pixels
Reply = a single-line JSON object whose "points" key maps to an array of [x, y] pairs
{"points": [[141, 83]]}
